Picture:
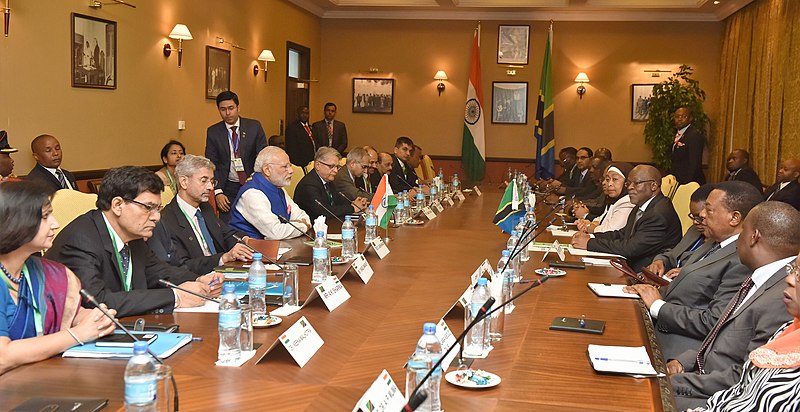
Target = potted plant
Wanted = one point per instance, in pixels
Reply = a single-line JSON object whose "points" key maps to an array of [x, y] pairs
{"points": [[679, 90]]}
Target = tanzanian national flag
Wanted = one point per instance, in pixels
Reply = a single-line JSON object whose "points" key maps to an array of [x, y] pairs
{"points": [[545, 128], [511, 208]]}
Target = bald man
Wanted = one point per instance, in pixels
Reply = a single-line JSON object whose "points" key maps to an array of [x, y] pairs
{"points": [[384, 166], [653, 226], [739, 169], [48, 155], [786, 189]]}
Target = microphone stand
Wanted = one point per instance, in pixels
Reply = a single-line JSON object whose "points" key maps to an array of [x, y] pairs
{"points": [[360, 210], [288, 222], [86, 295], [174, 286], [329, 211]]}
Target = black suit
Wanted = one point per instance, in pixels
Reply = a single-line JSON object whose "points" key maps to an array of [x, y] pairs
{"points": [[372, 186], [299, 145], [748, 175], [789, 194], [181, 243], [320, 131], [42, 175], [687, 157], [400, 180], [85, 246], [641, 240], [568, 178], [311, 188], [582, 189]]}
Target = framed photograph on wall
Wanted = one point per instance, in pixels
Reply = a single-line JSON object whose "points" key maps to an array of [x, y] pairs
{"points": [[512, 44], [218, 71], [94, 52], [510, 102], [640, 101], [373, 95]]}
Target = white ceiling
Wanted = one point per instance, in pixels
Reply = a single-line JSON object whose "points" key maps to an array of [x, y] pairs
{"points": [[564, 10]]}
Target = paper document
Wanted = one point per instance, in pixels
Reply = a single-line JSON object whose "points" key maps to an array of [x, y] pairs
{"points": [[539, 246], [282, 250], [608, 290], [596, 261], [583, 252], [563, 233], [632, 360]]}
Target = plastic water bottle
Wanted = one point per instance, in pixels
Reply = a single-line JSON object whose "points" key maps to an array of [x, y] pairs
{"points": [[406, 203], [476, 340], [434, 192], [430, 347], [511, 245], [456, 183], [509, 175], [399, 210], [523, 251], [371, 225], [140, 380], [442, 189], [507, 278], [257, 285], [230, 322], [348, 239], [420, 200], [322, 260]]}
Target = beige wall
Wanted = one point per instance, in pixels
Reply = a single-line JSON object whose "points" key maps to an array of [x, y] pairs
{"points": [[129, 125], [613, 54]]}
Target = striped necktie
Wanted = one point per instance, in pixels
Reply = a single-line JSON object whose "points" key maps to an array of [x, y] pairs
{"points": [[737, 300], [61, 180]]}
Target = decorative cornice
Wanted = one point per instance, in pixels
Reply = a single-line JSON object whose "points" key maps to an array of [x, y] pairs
{"points": [[563, 15]]}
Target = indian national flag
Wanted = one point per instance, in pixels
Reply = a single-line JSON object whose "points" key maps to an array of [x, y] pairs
{"points": [[473, 146], [384, 202]]}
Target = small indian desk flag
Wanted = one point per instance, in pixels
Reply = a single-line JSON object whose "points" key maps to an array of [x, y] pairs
{"points": [[384, 202]]}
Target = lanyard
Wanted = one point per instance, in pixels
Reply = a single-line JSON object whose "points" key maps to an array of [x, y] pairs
{"points": [[171, 181], [230, 139], [126, 276], [197, 231], [37, 314]]}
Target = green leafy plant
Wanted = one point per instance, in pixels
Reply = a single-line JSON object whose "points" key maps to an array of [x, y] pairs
{"points": [[679, 90]]}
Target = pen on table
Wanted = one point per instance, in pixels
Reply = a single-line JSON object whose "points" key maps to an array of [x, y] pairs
{"points": [[197, 338], [213, 282], [621, 360]]}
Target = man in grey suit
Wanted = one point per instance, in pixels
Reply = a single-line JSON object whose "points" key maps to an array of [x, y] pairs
{"points": [[345, 181], [769, 240], [330, 132], [693, 302]]}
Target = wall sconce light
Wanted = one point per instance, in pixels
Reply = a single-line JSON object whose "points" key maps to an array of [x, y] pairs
{"points": [[582, 78], [265, 56], [441, 76], [6, 16], [97, 4], [181, 33]]}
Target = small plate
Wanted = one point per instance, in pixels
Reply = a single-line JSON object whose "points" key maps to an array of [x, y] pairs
{"points": [[415, 222], [266, 321], [466, 190], [550, 272], [462, 378], [338, 260]]}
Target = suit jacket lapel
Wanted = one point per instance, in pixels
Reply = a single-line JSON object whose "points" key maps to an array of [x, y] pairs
{"points": [[108, 245], [774, 279], [213, 227], [185, 227]]}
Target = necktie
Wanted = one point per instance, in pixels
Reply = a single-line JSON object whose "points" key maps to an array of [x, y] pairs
{"points": [[710, 251], [367, 186], [125, 255], [677, 139], [735, 303], [209, 241], [235, 142], [330, 134], [695, 246], [639, 213], [777, 189], [328, 192], [61, 180], [580, 178]]}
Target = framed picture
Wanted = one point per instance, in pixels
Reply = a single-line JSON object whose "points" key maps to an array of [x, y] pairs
{"points": [[94, 52], [510, 102], [512, 44], [218, 71], [373, 95], [640, 101]]}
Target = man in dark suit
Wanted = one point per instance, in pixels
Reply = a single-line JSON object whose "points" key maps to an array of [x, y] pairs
{"points": [[105, 248], [317, 188], [693, 302], [786, 189], [739, 169], [687, 149], [365, 183], [300, 143], [196, 239], [384, 166], [653, 226], [582, 186], [769, 240], [232, 145], [47, 153], [402, 176], [353, 170], [330, 132]]}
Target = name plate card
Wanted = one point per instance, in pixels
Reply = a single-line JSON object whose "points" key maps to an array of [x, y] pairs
{"points": [[449, 201], [362, 268], [332, 293], [460, 196], [428, 213], [300, 340], [557, 248], [477, 191], [484, 268], [380, 248], [466, 297], [382, 395], [445, 336], [438, 206]]}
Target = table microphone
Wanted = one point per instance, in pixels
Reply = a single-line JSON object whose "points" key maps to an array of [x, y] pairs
{"points": [[242, 241], [518, 248], [288, 222], [329, 211], [415, 401], [361, 210], [119, 325], [174, 286]]}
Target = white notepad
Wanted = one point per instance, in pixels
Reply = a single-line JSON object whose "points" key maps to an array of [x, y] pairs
{"points": [[608, 290], [630, 360]]}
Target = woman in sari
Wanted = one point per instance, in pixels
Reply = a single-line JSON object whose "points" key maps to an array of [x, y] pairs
{"points": [[171, 154], [40, 312], [618, 204]]}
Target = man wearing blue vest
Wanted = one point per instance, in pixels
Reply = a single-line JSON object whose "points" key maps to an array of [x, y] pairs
{"points": [[262, 206]]}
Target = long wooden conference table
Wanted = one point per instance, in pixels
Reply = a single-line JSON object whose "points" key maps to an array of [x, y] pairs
{"points": [[377, 328]]}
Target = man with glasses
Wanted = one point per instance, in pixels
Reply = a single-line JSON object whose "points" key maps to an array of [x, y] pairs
{"points": [[366, 182], [583, 185], [355, 169], [105, 247], [316, 193], [687, 149], [189, 232], [687, 309], [652, 227], [263, 206], [769, 241]]}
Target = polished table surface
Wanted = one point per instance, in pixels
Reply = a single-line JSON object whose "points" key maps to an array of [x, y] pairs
{"points": [[425, 273]]}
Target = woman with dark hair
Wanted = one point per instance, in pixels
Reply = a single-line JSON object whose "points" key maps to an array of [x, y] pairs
{"points": [[40, 311], [618, 204], [171, 154]]}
